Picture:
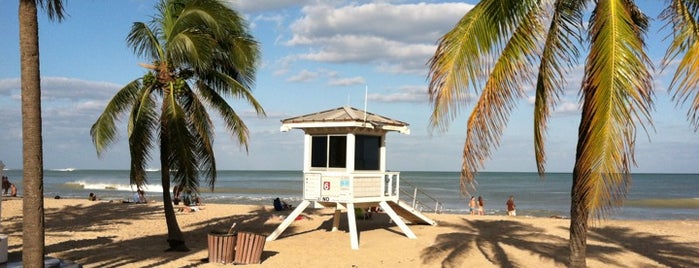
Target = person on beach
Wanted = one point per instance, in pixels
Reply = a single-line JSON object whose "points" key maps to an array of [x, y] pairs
{"points": [[176, 192], [13, 190], [187, 198], [511, 206], [5, 185], [280, 205], [189, 209], [481, 206], [136, 197], [139, 197], [92, 197], [472, 205], [191, 201]]}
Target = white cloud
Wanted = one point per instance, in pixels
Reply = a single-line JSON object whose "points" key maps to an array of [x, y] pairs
{"points": [[570, 108], [252, 6], [408, 23], [411, 94], [303, 76], [8, 86], [397, 38], [563, 107], [76, 89], [348, 81], [397, 97], [53, 88]]}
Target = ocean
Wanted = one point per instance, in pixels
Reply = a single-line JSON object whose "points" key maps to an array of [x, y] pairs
{"points": [[650, 197]]}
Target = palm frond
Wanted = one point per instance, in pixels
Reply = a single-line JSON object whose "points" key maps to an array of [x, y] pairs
{"points": [[54, 9], [683, 17], [202, 128], [616, 93], [142, 123], [103, 131], [234, 124], [458, 63], [144, 41], [180, 141], [517, 47], [191, 48], [228, 86], [240, 55], [203, 15], [559, 55]]}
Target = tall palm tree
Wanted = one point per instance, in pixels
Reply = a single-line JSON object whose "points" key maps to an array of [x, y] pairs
{"points": [[499, 47], [201, 53], [32, 153]]}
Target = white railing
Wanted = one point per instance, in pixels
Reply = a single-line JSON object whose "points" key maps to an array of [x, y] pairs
{"points": [[420, 200], [366, 187]]}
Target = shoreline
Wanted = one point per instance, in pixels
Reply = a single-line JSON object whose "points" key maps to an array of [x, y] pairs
{"points": [[104, 234], [522, 213], [657, 197]]}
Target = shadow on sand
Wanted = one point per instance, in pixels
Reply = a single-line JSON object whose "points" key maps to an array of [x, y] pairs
{"points": [[106, 216], [489, 237]]}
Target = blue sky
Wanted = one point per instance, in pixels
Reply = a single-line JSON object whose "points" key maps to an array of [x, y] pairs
{"points": [[316, 55]]}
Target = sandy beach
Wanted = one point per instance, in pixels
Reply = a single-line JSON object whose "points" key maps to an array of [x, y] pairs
{"points": [[113, 234]]}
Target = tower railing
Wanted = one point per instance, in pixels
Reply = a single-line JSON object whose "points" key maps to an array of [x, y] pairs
{"points": [[419, 200], [367, 186]]}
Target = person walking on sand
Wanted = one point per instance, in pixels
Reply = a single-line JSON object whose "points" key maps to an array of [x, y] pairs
{"points": [[481, 206], [472, 205], [511, 206]]}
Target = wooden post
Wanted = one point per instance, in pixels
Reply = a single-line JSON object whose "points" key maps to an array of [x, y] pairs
{"points": [[336, 220]]}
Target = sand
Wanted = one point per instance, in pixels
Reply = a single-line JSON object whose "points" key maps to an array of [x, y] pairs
{"points": [[104, 234]]}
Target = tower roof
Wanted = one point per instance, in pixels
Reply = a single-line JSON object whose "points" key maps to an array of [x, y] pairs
{"points": [[345, 116]]}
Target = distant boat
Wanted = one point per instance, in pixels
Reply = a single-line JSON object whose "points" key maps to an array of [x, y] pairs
{"points": [[152, 169], [64, 169]]}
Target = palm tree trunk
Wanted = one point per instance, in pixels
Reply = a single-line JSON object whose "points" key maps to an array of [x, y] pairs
{"points": [[175, 238], [578, 224], [579, 212], [33, 166]]}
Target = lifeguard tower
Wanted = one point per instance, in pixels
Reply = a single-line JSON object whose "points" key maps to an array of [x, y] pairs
{"points": [[344, 166]]}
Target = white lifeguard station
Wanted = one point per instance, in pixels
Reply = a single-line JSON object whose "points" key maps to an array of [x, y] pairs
{"points": [[344, 166]]}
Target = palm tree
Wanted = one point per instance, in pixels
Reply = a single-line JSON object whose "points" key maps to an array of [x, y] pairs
{"points": [[201, 53], [33, 163], [499, 46]]}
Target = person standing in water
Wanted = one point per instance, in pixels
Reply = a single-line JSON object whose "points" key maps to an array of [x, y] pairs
{"points": [[481, 206], [472, 205], [511, 211]]}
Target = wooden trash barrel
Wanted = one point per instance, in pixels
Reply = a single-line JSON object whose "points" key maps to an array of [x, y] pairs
{"points": [[221, 247], [249, 247]]}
